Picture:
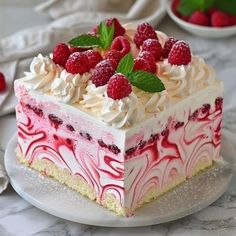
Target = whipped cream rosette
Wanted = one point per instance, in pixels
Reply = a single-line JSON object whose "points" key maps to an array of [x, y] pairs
{"points": [[122, 113], [68, 88], [152, 102], [93, 98], [181, 81], [42, 72]]}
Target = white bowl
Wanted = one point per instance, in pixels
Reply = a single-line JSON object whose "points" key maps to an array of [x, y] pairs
{"points": [[203, 31]]}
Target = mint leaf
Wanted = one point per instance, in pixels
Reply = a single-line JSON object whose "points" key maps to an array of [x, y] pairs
{"points": [[146, 81], [228, 6], [102, 30], [206, 4], [106, 34], [85, 41], [187, 7], [141, 79], [126, 64], [103, 41], [111, 31]]}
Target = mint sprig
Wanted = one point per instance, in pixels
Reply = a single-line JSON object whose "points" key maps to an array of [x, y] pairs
{"points": [[141, 79], [126, 64], [102, 40], [85, 41], [106, 34], [228, 6], [146, 81]]}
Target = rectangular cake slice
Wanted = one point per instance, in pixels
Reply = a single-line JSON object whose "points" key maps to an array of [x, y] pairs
{"points": [[118, 147]]}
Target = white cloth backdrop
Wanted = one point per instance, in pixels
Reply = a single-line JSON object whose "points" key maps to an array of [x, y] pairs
{"points": [[72, 17]]}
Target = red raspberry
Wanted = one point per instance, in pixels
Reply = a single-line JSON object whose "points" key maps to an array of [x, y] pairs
{"points": [[101, 75], [153, 46], [77, 63], [199, 18], [76, 49], [94, 57], [185, 18], [118, 87], [180, 54], [119, 30], [139, 39], [147, 29], [144, 31], [174, 7], [113, 54], [233, 20], [61, 53], [121, 44], [112, 62], [211, 10], [3, 85], [56, 121], [168, 45], [220, 19], [141, 64], [147, 56], [108, 62]]}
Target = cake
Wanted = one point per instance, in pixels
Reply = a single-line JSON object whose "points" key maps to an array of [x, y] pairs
{"points": [[121, 115]]}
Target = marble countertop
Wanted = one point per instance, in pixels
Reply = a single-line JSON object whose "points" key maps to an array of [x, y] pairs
{"points": [[17, 217]]}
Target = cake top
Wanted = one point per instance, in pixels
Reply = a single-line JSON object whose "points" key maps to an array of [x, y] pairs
{"points": [[120, 74]]}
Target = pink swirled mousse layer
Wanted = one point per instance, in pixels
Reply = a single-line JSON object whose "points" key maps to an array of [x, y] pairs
{"points": [[121, 123]]}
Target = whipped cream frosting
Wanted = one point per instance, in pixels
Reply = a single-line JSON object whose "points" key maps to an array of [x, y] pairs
{"points": [[94, 98], [118, 113], [182, 81], [123, 112], [152, 102], [68, 88], [42, 72]]}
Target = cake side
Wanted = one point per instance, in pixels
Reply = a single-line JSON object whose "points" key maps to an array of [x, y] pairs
{"points": [[173, 146], [67, 146], [159, 150]]}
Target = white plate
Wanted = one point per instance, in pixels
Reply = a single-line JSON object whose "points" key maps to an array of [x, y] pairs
{"points": [[203, 31], [56, 199]]}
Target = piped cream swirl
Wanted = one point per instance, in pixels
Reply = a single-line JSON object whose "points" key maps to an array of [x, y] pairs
{"points": [[118, 113], [152, 102], [68, 88], [94, 98], [122, 113], [181, 81], [42, 72]]}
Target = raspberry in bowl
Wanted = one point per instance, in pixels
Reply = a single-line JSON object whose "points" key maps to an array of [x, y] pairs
{"points": [[210, 23]]}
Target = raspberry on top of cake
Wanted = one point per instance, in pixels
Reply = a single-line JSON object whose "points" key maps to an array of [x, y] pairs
{"points": [[120, 74]]}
